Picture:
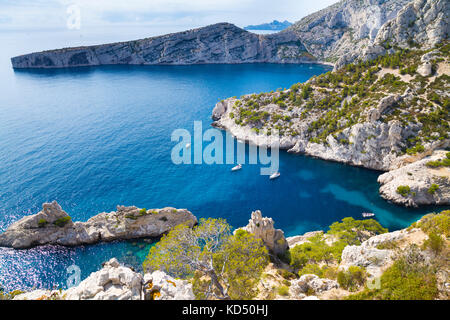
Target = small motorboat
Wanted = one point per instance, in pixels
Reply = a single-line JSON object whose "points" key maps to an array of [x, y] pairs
{"points": [[274, 175], [236, 168], [188, 145], [368, 214]]}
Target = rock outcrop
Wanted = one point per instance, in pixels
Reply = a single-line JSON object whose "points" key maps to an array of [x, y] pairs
{"points": [[218, 43], [418, 184], [117, 282], [160, 286], [52, 225], [263, 228], [422, 23]]}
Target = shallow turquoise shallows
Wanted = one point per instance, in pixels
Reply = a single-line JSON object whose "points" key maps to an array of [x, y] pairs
{"points": [[95, 138]]}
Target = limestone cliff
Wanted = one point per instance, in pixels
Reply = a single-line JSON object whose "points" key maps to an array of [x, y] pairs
{"points": [[420, 23], [218, 43]]}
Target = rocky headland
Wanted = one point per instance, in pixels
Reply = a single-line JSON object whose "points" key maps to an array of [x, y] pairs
{"points": [[117, 282], [355, 259], [343, 29], [53, 225]]}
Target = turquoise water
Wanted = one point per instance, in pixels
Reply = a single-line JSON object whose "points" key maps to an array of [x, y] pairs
{"points": [[95, 138]]}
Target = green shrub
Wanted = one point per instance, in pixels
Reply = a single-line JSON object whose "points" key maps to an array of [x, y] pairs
{"points": [[42, 223], [286, 274], [434, 242], [283, 290], [352, 279], [61, 222], [143, 211], [438, 223], [352, 232], [403, 190]]}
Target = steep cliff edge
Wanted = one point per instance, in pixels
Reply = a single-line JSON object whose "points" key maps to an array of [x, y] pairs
{"points": [[218, 43]]}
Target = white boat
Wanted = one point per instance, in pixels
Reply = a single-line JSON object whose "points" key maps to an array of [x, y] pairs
{"points": [[188, 145], [367, 214], [274, 175], [236, 168]]}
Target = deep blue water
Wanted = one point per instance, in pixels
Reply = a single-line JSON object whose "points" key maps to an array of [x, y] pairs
{"points": [[95, 138]]}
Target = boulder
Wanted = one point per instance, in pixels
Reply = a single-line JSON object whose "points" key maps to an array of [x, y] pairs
{"points": [[160, 286]]}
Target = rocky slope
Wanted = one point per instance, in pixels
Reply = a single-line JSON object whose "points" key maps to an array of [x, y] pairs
{"points": [[376, 115], [52, 225], [423, 23], [218, 43], [263, 228], [363, 245], [418, 183], [117, 282]]}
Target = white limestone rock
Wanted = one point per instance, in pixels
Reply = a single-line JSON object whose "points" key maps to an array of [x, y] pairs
{"points": [[163, 287], [311, 282], [419, 178], [125, 223]]}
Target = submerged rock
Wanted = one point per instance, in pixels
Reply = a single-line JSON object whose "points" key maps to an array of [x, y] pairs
{"points": [[53, 225]]}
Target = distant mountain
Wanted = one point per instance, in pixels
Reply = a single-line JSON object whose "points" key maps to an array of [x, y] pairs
{"points": [[274, 25]]}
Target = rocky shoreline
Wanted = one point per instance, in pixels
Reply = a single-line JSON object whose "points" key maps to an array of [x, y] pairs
{"points": [[54, 226]]}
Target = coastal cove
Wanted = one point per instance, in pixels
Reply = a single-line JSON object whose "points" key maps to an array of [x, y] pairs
{"points": [[95, 138]]}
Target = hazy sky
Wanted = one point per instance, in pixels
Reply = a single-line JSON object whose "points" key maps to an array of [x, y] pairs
{"points": [[52, 14]]}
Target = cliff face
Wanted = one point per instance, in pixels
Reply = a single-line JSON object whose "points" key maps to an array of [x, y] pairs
{"points": [[218, 43], [343, 28]]}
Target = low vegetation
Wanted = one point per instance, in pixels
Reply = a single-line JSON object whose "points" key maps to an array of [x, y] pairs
{"points": [[331, 102]]}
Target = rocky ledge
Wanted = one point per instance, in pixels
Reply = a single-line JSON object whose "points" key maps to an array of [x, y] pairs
{"points": [[420, 183], [54, 226]]}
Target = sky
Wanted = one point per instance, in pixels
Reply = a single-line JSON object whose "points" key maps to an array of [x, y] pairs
{"points": [[54, 14]]}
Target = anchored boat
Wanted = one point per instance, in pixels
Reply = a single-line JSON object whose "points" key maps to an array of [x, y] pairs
{"points": [[236, 168], [274, 175], [368, 214]]}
